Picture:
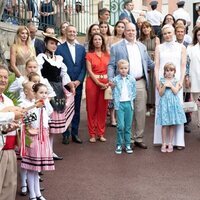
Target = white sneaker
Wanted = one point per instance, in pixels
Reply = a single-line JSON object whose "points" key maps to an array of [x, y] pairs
{"points": [[118, 149], [128, 149]]}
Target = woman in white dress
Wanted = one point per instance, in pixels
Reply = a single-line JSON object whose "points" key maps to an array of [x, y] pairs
{"points": [[170, 51], [194, 70]]}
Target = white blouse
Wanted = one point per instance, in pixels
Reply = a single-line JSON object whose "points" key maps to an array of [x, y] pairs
{"points": [[58, 62]]}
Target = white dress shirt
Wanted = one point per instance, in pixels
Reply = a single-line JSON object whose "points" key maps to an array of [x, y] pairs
{"points": [[154, 17], [72, 51], [135, 60], [180, 13], [124, 91]]}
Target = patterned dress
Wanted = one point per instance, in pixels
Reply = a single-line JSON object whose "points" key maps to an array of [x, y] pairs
{"points": [[55, 71], [39, 155], [170, 110]]}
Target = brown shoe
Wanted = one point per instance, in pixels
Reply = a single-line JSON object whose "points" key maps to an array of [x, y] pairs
{"points": [[92, 140], [142, 145]]}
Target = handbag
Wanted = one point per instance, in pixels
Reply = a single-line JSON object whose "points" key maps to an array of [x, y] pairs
{"points": [[108, 93], [189, 106]]}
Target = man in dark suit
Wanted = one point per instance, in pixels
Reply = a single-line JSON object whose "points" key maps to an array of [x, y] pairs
{"points": [[127, 13], [74, 58], [37, 43]]}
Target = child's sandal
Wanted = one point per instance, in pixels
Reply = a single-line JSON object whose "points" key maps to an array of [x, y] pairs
{"points": [[170, 148], [164, 148]]}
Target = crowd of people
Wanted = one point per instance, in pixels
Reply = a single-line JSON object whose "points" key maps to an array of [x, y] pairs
{"points": [[149, 64]]}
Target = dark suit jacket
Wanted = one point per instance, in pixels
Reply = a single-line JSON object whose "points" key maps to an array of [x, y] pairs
{"points": [[39, 46], [123, 15], [75, 70]]}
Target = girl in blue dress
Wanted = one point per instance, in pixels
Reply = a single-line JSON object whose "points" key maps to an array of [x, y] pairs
{"points": [[170, 111]]}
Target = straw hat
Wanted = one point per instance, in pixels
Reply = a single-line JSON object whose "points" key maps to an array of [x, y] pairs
{"points": [[52, 36]]}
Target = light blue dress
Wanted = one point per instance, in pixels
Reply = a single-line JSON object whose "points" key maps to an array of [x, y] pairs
{"points": [[170, 110]]}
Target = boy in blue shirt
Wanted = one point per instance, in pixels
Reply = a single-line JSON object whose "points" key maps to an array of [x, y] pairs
{"points": [[124, 93]]}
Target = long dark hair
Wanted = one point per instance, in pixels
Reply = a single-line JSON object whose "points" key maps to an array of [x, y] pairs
{"points": [[115, 28], [90, 29], [142, 35], [164, 21], [108, 31], [91, 47], [195, 31]]}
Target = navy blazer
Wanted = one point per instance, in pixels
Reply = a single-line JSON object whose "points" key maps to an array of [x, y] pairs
{"points": [[75, 70], [124, 14], [119, 51], [39, 46]]}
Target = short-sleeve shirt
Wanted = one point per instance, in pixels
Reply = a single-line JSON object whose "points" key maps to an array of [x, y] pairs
{"points": [[99, 64]]}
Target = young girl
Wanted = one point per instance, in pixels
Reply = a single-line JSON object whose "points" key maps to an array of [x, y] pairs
{"points": [[170, 111], [34, 77], [124, 93], [17, 85], [38, 156]]}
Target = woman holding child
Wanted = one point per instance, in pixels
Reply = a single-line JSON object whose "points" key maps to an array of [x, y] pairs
{"points": [[170, 51]]}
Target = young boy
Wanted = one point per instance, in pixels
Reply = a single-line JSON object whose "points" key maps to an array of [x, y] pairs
{"points": [[124, 93]]}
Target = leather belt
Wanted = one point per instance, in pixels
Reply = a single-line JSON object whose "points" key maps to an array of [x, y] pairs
{"points": [[139, 78], [101, 76]]}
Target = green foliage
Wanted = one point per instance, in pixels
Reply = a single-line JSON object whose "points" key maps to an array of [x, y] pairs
{"points": [[12, 95]]}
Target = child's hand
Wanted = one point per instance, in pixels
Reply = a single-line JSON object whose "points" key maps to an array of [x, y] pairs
{"points": [[39, 103], [168, 84], [111, 84]]}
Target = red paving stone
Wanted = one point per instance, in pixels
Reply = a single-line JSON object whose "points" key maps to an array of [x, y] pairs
{"points": [[95, 172]]}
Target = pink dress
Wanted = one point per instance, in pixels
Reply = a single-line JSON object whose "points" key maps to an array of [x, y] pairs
{"points": [[39, 156]]}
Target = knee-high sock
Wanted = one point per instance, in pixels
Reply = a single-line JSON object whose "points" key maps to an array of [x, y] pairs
{"points": [[23, 173], [31, 183], [37, 185]]}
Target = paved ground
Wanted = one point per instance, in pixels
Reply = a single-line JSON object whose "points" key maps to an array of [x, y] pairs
{"points": [[95, 172]]}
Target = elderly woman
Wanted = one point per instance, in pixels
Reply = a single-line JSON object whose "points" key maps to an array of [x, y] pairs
{"points": [[194, 70], [170, 51], [21, 51]]}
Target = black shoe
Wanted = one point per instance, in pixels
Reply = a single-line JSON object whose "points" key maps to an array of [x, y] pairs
{"points": [[25, 192], [65, 140], [142, 145], [41, 173], [55, 157], [76, 139], [187, 129], [41, 189], [41, 179]]}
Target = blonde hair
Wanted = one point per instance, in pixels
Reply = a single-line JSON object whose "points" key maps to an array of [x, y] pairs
{"points": [[122, 62], [18, 42], [27, 85], [30, 60], [169, 66], [168, 26]]}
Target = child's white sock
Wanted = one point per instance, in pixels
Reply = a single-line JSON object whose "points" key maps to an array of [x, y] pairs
{"points": [[31, 182], [23, 173], [37, 185]]}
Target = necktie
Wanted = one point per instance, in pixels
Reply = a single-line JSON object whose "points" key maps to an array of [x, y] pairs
{"points": [[132, 18]]}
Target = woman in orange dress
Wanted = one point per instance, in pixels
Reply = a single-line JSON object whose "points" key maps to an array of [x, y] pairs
{"points": [[97, 60]]}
